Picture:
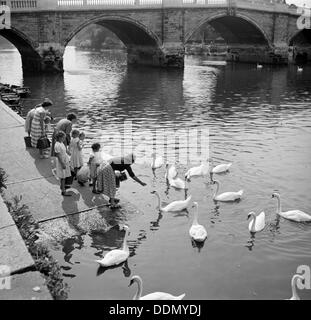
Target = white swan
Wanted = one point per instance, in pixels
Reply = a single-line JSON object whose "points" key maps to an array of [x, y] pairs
{"points": [[178, 183], [257, 223], [300, 69], [117, 256], [154, 295], [259, 66], [157, 162], [294, 215], [294, 285], [173, 206], [226, 196], [197, 231], [201, 170], [220, 169], [170, 172]]}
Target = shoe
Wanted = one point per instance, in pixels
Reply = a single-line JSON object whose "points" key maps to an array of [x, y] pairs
{"points": [[65, 194], [116, 200], [81, 183], [67, 187], [116, 206], [95, 191]]}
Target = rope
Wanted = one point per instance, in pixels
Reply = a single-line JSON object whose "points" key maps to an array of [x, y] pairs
{"points": [[27, 180], [73, 213]]}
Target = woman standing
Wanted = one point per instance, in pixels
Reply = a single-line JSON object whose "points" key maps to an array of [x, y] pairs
{"points": [[64, 125], [37, 124]]}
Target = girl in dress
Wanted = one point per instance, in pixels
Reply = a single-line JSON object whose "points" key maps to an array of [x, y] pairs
{"points": [[63, 162], [94, 162], [47, 128], [75, 147]]}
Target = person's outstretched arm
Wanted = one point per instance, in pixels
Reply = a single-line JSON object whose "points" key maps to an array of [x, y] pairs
{"points": [[132, 175]]}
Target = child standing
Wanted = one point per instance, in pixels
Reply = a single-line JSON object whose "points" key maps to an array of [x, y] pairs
{"points": [[63, 162], [94, 162], [75, 147], [47, 128]]}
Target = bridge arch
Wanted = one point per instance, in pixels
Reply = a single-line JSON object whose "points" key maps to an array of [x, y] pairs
{"points": [[128, 30], [31, 59], [238, 29], [143, 45], [301, 42]]}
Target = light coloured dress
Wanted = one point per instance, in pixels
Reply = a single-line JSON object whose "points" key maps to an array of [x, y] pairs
{"points": [[61, 173], [96, 160], [76, 159], [36, 131]]}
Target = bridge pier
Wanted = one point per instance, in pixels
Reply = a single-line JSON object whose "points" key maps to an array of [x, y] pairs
{"points": [[165, 57], [51, 57]]}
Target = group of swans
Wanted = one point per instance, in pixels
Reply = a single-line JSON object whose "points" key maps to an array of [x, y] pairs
{"points": [[198, 232], [257, 222], [198, 171]]}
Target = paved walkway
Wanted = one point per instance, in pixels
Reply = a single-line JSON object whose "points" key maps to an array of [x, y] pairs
{"points": [[32, 178], [13, 251]]}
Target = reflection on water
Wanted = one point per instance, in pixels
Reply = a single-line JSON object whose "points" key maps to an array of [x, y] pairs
{"points": [[257, 119]]}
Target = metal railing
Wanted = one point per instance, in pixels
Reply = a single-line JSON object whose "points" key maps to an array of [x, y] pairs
{"points": [[31, 5]]}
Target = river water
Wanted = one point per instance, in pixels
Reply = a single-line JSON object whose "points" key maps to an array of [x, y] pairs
{"points": [[260, 120]]}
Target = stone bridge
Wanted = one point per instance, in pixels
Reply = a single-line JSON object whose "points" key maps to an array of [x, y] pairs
{"points": [[155, 31]]}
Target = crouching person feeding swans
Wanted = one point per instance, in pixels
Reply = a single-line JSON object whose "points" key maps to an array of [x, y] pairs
{"points": [[108, 178]]}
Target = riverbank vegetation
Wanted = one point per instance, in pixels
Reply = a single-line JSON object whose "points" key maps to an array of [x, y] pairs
{"points": [[97, 38], [29, 230]]}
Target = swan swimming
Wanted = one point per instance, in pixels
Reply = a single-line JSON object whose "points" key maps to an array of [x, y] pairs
{"points": [[300, 69], [170, 172], [201, 170], [157, 162], [117, 256], [257, 223], [178, 183], [294, 287], [173, 206], [226, 196], [220, 169], [154, 295], [197, 232], [259, 66], [294, 215]]}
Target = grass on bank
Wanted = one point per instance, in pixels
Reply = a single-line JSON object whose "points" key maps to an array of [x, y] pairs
{"points": [[29, 229]]}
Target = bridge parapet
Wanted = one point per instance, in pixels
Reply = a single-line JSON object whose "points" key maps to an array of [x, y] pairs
{"points": [[67, 5]]}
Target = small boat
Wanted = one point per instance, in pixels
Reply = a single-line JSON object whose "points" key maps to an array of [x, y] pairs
{"points": [[21, 91], [17, 108], [10, 98], [214, 63], [5, 89]]}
